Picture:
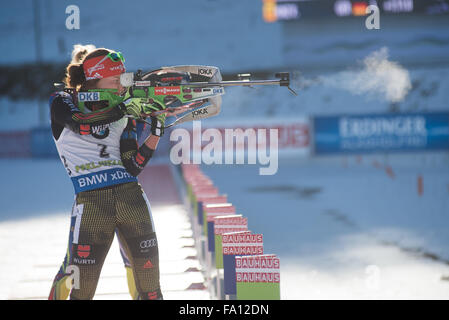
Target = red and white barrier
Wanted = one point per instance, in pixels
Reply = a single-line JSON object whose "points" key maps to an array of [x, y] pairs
{"points": [[216, 226]]}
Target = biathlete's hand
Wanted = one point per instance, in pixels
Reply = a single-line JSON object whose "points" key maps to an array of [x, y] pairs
{"points": [[134, 106], [158, 120], [157, 125]]}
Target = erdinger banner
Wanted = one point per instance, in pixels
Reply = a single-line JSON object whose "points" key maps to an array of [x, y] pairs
{"points": [[226, 224], [381, 132], [237, 244], [257, 277]]}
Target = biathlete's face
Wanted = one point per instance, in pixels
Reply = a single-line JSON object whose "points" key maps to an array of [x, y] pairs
{"points": [[112, 82]]}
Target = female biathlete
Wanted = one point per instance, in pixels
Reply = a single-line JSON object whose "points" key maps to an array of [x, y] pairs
{"points": [[99, 149]]}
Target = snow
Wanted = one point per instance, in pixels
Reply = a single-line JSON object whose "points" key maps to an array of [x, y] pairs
{"points": [[36, 202], [329, 219], [343, 227], [33, 187]]}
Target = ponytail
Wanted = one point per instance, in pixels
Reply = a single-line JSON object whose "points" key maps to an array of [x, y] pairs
{"points": [[74, 75]]}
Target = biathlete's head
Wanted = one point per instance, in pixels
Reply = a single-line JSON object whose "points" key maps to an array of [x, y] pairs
{"points": [[94, 68]]}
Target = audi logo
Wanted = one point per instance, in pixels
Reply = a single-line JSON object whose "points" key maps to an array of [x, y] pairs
{"points": [[148, 243]]}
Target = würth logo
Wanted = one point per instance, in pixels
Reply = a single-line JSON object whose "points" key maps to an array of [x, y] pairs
{"points": [[83, 251], [152, 295]]}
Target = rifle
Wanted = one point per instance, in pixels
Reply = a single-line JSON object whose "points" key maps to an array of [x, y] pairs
{"points": [[187, 93]]}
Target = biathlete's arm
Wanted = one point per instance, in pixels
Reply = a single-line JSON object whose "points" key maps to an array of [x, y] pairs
{"points": [[134, 158], [64, 113]]}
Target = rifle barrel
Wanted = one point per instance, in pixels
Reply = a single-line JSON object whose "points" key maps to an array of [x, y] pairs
{"points": [[235, 83]]}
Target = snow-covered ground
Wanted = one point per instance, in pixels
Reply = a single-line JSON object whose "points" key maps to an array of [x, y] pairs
{"points": [[35, 212], [33, 249], [345, 228]]}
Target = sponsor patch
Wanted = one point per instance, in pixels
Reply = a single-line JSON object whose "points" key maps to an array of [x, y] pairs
{"points": [[88, 96], [205, 72], [84, 255], [159, 91], [144, 246]]}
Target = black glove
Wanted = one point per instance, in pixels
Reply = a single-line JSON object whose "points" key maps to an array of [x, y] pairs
{"points": [[157, 125]]}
